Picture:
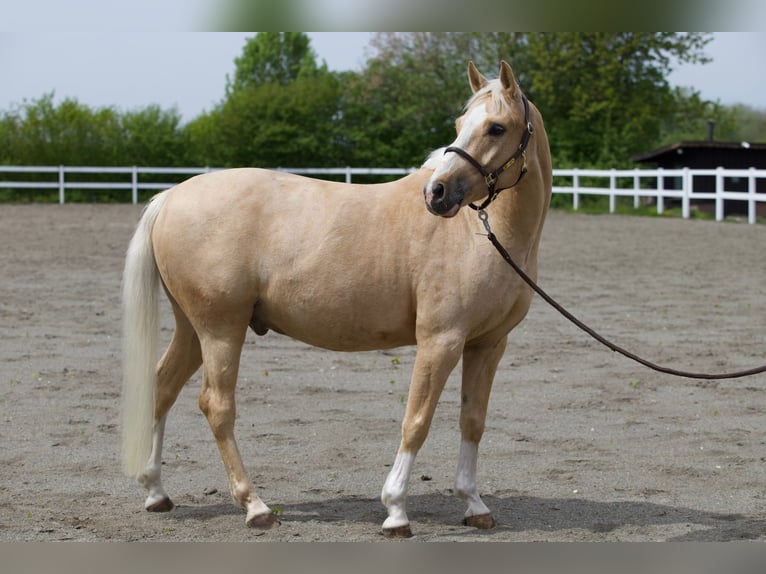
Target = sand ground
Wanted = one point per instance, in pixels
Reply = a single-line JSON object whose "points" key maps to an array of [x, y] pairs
{"points": [[581, 445]]}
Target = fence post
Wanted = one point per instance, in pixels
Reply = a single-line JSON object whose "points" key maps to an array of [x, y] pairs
{"points": [[719, 188], [751, 212], [686, 188], [660, 191], [636, 189], [61, 185], [612, 188], [348, 174], [575, 186], [134, 181]]}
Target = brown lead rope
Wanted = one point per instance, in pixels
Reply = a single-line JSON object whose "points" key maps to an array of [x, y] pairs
{"points": [[603, 340]]}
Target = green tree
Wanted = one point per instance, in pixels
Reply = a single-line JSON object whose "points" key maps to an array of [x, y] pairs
{"points": [[403, 105], [44, 133], [272, 125], [279, 57], [690, 118], [750, 124], [151, 136], [9, 128], [280, 110], [605, 96], [205, 145]]}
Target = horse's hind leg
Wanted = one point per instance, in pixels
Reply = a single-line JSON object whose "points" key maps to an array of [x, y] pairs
{"points": [[181, 359], [479, 367], [221, 354]]}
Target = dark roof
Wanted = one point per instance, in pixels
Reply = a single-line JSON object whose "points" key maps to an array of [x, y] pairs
{"points": [[678, 147]]}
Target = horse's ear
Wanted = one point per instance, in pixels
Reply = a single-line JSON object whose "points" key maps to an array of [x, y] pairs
{"points": [[475, 78], [506, 78]]}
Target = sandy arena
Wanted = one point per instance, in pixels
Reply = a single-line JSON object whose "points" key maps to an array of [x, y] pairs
{"points": [[581, 445]]}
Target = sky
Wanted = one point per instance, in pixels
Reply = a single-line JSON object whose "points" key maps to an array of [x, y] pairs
{"points": [[130, 69]]}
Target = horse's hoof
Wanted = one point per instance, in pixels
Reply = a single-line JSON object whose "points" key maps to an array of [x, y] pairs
{"points": [[265, 521], [162, 505], [403, 531], [480, 521]]}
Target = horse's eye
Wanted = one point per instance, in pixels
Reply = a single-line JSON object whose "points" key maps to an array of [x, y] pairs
{"points": [[496, 129]]}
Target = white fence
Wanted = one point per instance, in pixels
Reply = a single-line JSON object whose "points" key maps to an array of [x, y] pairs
{"points": [[686, 187], [140, 178]]}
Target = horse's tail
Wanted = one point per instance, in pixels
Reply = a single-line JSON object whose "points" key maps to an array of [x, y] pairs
{"points": [[140, 339]]}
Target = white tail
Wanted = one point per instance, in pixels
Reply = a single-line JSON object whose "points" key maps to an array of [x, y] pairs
{"points": [[140, 339]]}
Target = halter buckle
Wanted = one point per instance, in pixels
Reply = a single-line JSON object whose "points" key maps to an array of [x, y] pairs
{"points": [[490, 179]]}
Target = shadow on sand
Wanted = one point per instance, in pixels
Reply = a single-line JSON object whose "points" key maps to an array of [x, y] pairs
{"points": [[515, 514]]}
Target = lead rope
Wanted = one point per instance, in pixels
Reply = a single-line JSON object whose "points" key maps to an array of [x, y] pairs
{"points": [[601, 339]]}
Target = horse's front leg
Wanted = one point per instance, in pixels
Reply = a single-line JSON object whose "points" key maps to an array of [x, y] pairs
{"points": [[434, 362], [479, 367]]}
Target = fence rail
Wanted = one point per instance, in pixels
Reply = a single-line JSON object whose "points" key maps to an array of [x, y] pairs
{"points": [[743, 188]]}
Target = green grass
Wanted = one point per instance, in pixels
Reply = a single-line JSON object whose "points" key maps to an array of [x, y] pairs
{"points": [[599, 205]]}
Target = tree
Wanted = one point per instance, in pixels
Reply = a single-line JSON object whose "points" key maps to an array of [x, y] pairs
{"points": [[690, 119], [750, 124], [44, 133], [404, 103], [275, 125], [9, 128], [605, 96], [280, 109], [279, 57], [151, 136]]}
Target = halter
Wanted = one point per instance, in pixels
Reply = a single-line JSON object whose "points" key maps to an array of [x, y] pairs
{"points": [[490, 177]]}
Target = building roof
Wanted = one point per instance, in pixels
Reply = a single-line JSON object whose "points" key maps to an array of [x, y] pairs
{"points": [[679, 147]]}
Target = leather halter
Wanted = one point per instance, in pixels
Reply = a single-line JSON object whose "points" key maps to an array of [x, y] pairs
{"points": [[490, 177]]}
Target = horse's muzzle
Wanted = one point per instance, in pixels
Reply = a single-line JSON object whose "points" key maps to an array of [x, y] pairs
{"points": [[440, 201]]}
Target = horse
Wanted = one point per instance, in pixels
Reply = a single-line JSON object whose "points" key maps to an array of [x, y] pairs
{"points": [[341, 266]]}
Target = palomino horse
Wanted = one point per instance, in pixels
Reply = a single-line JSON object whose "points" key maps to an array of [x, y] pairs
{"points": [[343, 267]]}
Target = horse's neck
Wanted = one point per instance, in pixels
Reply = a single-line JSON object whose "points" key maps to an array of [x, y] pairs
{"points": [[525, 206], [517, 217]]}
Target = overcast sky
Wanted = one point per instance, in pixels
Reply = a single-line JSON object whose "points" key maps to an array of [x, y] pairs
{"points": [[130, 69]]}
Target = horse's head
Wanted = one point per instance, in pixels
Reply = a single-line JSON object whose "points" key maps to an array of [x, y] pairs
{"points": [[488, 153]]}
